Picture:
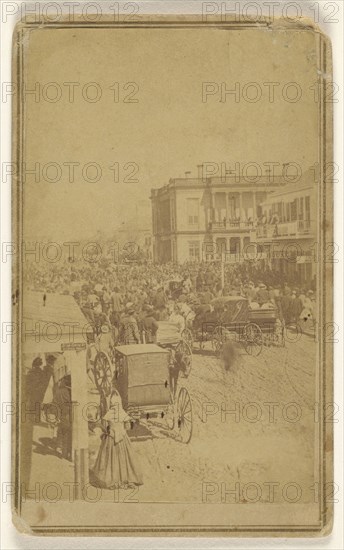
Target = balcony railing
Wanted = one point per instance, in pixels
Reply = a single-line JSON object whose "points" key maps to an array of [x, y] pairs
{"points": [[230, 225], [297, 228]]}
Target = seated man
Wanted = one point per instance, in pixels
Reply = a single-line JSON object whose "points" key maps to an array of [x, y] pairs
{"points": [[177, 318], [104, 341], [262, 296]]}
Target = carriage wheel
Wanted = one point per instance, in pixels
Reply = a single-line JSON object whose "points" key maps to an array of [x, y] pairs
{"points": [[186, 352], [218, 338], [102, 373], [183, 423], [90, 356], [187, 337], [253, 339]]}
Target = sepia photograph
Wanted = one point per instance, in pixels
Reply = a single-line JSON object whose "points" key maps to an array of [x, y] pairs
{"points": [[172, 277]]}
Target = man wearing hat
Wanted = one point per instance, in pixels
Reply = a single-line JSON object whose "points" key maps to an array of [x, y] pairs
{"points": [[286, 302], [160, 298], [106, 300], [116, 307], [262, 294], [209, 278], [296, 306], [37, 380], [93, 299], [251, 292], [150, 324], [176, 317], [129, 330]]}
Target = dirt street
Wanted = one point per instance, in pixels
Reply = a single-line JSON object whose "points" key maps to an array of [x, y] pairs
{"points": [[258, 421]]}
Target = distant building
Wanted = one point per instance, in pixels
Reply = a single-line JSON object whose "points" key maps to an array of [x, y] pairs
{"points": [[197, 219], [132, 239]]}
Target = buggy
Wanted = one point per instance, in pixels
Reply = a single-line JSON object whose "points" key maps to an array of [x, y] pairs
{"points": [[144, 382], [230, 316]]}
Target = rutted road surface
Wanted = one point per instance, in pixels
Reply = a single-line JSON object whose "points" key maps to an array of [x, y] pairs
{"points": [[253, 432]]}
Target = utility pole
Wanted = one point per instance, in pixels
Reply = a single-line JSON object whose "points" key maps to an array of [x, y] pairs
{"points": [[222, 270]]}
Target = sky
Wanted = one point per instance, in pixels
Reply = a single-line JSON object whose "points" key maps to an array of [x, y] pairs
{"points": [[169, 129]]}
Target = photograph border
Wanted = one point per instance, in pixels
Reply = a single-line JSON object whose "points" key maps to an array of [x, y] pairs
{"points": [[325, 281]]}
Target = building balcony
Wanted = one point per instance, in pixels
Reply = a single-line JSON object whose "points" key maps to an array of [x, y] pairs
{"points": [[298, 228], [230, 226]]}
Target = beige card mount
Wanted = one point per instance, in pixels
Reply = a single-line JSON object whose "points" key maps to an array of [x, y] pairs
{"points": [[172, 278]]}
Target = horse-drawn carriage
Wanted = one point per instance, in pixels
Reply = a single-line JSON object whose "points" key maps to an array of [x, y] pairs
{"points": [[101, 357], [147, 383], [146, 377], [232, 317]]}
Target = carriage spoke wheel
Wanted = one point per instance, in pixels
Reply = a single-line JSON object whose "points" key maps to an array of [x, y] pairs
{"points": [[102, 373], [253, 339], [187, 337], [218, 338], [185, 350], [183, 423]]}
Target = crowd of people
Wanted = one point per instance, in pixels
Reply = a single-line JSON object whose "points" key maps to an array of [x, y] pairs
{"points": [[123, 302]]}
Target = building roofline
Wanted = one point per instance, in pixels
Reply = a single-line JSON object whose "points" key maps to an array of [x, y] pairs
{"points": [[291, 188], [262, 185]]}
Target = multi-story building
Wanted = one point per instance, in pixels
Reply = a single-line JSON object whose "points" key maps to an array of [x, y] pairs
{"points": [[287, 229], [206, 218]]}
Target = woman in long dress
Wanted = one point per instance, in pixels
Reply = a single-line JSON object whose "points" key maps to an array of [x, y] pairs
{"points": [[116, 464]]}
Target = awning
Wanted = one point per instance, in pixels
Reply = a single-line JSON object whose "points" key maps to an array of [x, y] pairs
{"points": [[53, 324]]}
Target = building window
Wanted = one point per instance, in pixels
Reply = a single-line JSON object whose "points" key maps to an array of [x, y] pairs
{"points": [[293, 210], [287, 212], [307, 208], [194, 250], [193, 211], [301, 209]]}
